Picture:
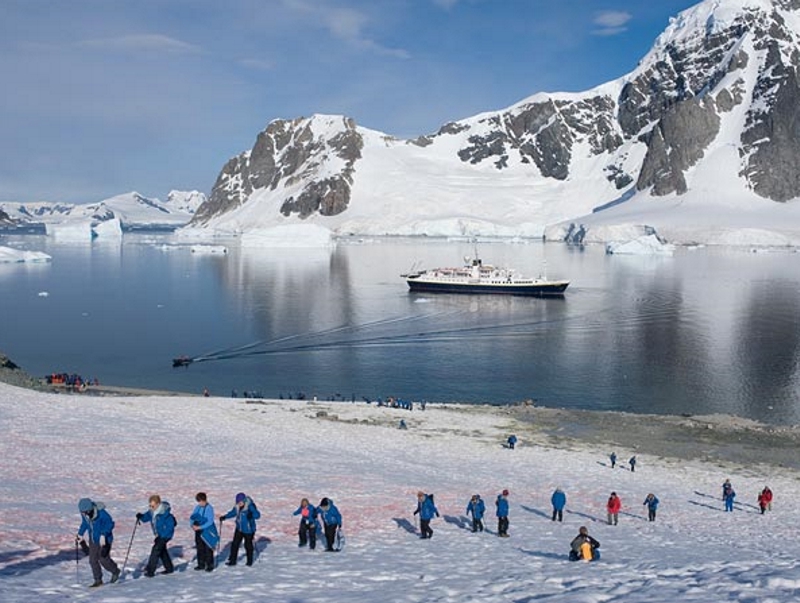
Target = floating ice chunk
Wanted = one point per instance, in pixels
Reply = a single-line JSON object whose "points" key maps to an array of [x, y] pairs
{"points": [[210, 249], [290, 235], [109, 229], [76, 230], [9, 255], [645, 245]]}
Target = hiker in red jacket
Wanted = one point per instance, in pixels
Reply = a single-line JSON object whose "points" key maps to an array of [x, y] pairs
{"points": [[613, 507]]}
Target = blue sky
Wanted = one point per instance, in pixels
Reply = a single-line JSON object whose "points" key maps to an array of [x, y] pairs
{"points": [[100, 97]]}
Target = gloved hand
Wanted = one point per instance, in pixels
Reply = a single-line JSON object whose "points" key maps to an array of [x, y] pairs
{"points": [[78, 538], [437, 514], [222, 518], [105, 550], [139, 516], [84, 547]]}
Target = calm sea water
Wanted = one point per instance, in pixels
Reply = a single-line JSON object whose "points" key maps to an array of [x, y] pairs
{"points": [[705, 331]]}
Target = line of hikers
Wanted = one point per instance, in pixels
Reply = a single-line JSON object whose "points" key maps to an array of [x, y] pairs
{"points": [[98, 528], [98, 525]]}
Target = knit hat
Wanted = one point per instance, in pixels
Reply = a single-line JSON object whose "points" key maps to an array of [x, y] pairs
{"points": [[324, 502], [241, 497], [505, 492], [85, 505]]}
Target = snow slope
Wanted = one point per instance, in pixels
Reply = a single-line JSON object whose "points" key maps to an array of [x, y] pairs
{"points": [[59, 448]]}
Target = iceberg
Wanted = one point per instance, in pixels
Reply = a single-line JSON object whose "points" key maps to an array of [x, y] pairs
{"points": [[73, 231], [9, 255], [290, 235], [644, 245]]}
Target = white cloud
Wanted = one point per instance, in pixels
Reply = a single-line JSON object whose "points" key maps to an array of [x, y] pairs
{"points": [[141, 43], [346, 24], [611, 22]]}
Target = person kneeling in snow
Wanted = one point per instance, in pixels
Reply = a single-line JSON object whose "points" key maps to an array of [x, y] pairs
{"points": [[584, 547]]}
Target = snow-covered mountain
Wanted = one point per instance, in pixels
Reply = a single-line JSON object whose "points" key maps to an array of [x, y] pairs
{"points": [[132, 211], [704, 135]]}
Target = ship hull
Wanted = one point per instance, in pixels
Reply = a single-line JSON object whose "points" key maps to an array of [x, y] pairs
{"points": [[549, 289]]}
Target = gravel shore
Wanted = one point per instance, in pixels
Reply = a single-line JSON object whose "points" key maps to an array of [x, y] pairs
{"points": [[715, 439]]}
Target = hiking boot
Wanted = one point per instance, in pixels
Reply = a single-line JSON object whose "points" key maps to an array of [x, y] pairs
{"points": [[230, 563], [96, 583], [115, 577], [166, 571], [199, 567], [149, 574], [210, 568]]}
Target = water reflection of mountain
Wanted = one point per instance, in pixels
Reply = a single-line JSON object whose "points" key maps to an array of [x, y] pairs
{"points": [[771, 377]]}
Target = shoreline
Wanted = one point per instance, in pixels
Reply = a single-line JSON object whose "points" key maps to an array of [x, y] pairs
{"points": [[715, 439]]}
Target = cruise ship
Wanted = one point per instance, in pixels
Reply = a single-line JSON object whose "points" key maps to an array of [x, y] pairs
{"points": [[476, 277]]}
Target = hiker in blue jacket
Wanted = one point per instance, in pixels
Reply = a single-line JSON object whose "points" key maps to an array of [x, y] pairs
{"points": [[206, 536], [512, 441], [426, 510], [308, 524], [559, 501], [163, 524], [98, 523], [331, 522], [502, 514], [246, 513], [728, 495], [652, 506], [476, 508]]}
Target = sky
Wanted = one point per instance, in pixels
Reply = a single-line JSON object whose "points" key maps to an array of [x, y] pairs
{"points": [[102, 97]]}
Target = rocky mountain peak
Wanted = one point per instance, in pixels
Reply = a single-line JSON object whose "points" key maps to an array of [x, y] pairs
{"points": [[723, 75]]}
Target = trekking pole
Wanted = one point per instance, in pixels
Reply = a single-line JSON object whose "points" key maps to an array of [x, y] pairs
{"points": [[77, 563], [124, 563], [219, 543]]}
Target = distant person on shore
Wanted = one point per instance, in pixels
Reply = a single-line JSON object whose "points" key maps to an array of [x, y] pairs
{"points": [[206, 535], [476, 508], [584, 547], [613, 459], [766, 497], [307, 532], [98, 523], [246, 513], [502, 514], [652, 506], [728, 495], [426, 509], [632, 463], [512, 441], [163, 523], [331, 523], [559, 501], [613, 506]]}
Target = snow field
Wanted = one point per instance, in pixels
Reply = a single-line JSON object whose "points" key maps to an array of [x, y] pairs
{"points": [[59, 448]]}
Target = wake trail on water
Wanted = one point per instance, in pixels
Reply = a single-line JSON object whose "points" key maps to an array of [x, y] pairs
{"points": [[370, 335], [252, 349]]}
